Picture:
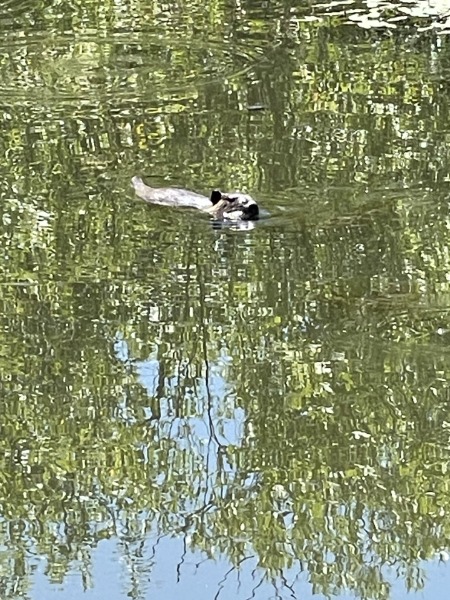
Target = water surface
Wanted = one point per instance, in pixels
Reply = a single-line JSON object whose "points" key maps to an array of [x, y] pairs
{"points": [[207, 412]]}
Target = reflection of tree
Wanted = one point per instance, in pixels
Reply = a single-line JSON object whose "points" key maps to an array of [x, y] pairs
{"points": [[339, 463]]}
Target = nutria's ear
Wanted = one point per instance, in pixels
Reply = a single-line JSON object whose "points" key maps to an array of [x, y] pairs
{"points": [[216, 196]]}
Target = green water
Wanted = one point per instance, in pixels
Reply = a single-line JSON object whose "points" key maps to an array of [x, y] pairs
{"points": [[208, 413]]}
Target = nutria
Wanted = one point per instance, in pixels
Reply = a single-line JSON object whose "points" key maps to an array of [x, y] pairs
{"points": [[234, 206]]}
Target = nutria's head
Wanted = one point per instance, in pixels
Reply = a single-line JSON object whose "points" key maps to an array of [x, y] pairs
{"points": [[234, 206]]}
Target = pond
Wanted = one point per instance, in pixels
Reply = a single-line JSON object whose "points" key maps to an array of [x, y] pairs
{"points": [[211, 413]]}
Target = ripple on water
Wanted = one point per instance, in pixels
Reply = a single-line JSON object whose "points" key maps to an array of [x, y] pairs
{"points": [[48, 58]]}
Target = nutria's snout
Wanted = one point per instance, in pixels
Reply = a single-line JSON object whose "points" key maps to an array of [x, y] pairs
{"points": [[251, 212]]}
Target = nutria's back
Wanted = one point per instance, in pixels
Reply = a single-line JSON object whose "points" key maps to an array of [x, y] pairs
{"points": [[170, 196]]}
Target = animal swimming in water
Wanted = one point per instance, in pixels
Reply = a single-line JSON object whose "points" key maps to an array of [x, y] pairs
{"points": [[231, 207]]}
